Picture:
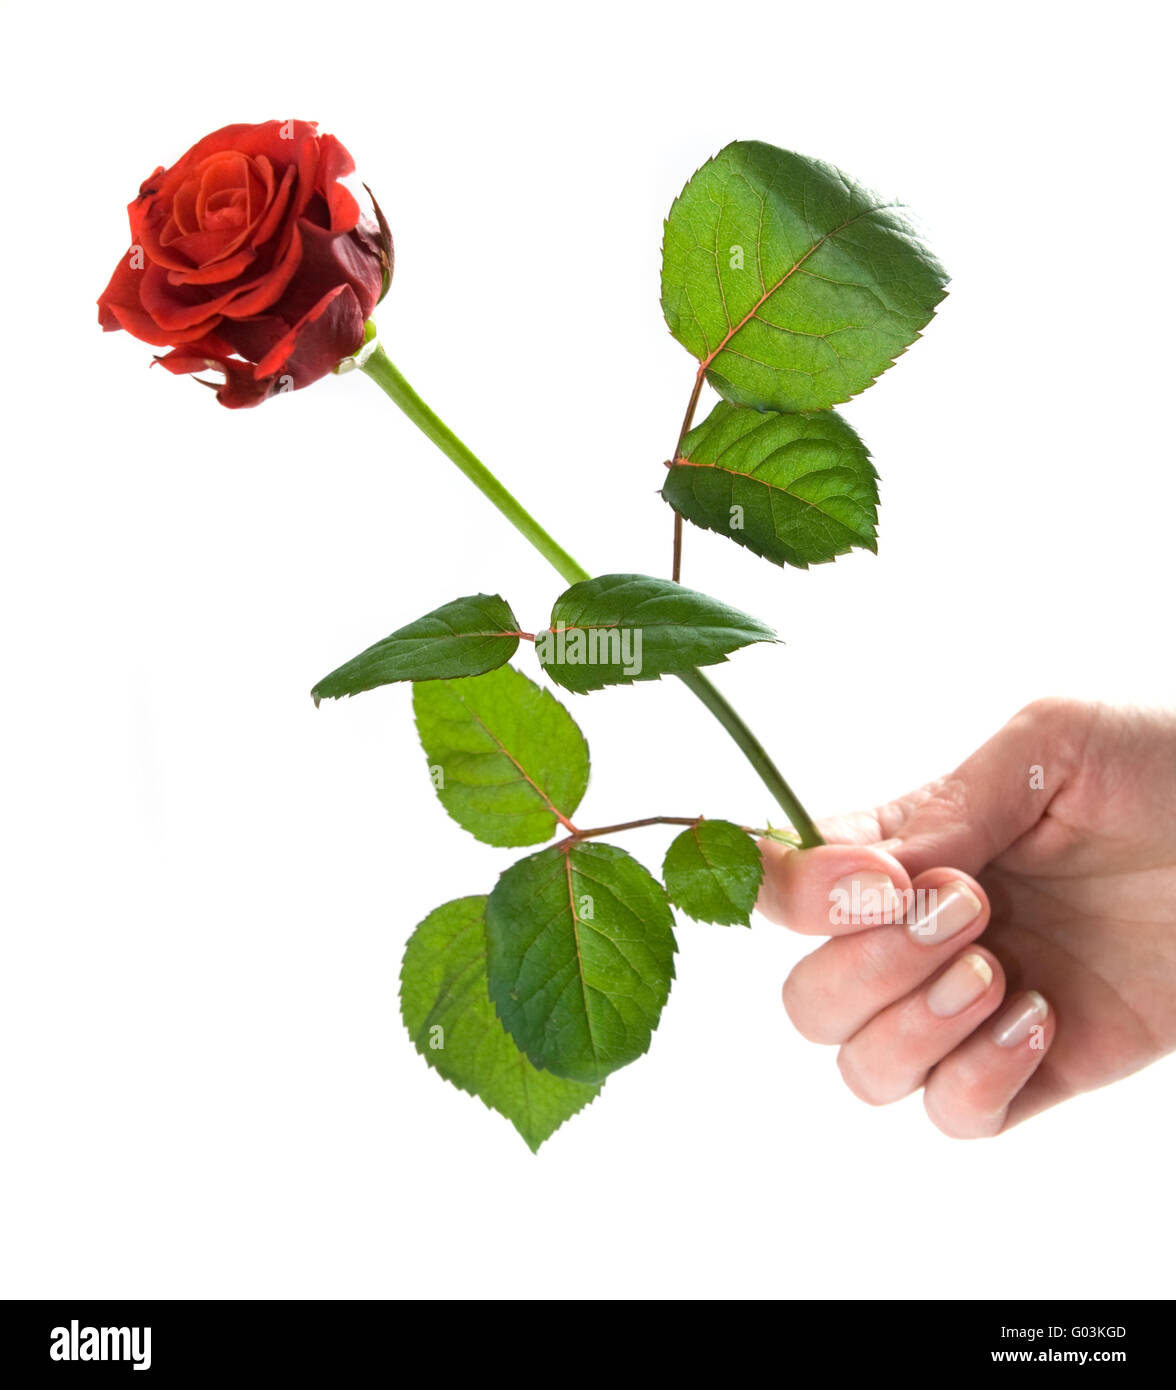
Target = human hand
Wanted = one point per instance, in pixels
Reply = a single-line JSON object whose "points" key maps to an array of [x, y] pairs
{"points": [[1044, 964]]}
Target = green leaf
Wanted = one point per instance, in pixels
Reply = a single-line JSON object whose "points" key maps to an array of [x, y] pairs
{"points": [[797, 489], [446, 1008], [580, 957], [462, 638], [505, 756], [713, 872], [622, 628], [793, 285]]}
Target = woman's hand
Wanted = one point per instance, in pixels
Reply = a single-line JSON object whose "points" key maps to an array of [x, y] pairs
{"points": [[1043, 964]]}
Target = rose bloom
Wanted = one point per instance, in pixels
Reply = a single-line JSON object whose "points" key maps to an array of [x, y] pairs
{"points": [[251, 258]]}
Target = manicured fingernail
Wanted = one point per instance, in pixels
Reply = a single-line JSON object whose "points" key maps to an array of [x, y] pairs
{"points": [[1019, 1019], [868, 897], [960, 985], [946, 911]]}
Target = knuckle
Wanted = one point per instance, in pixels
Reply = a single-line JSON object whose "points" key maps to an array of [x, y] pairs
{"points": [[808, 1007], [853, 1078], [972, 1093], [961, 1107], [1048, 709], [944, 1121], [877, 964], [871, 1087], [946, 796], [1062, 724]]}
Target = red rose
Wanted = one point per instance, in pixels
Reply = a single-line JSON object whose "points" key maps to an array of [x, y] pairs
{"points": [[251, 258]]}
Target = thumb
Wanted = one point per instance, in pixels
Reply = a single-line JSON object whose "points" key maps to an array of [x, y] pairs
{"points": [[995, 796]]}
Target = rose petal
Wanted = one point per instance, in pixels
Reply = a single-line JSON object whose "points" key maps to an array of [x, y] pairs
{"points": [[336, 163], [241, 388], [252, 338], [218, 272], [177, 308], [263, 291], [332, 330], [225, 172], [120, 306], [328, 260], [283, 142], [278, 205]]}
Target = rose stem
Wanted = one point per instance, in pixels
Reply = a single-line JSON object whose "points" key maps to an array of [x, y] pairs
{"points": [[394, 385], [691, 407]]}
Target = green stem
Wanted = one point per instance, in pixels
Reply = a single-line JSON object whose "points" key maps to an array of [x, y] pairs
{"points": [[757, 755], [392, 382], [394, 385]]}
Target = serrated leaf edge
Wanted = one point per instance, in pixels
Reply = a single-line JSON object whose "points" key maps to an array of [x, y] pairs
{"points": [[524, 1061]]}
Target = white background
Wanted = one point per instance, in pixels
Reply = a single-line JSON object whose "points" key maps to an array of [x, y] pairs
{"points": [[206, 1088]]}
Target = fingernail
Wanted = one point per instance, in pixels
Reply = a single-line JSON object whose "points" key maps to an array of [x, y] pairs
{"points": [[966, 980], [947, 910], [1020, 1019], [868, 897]]}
